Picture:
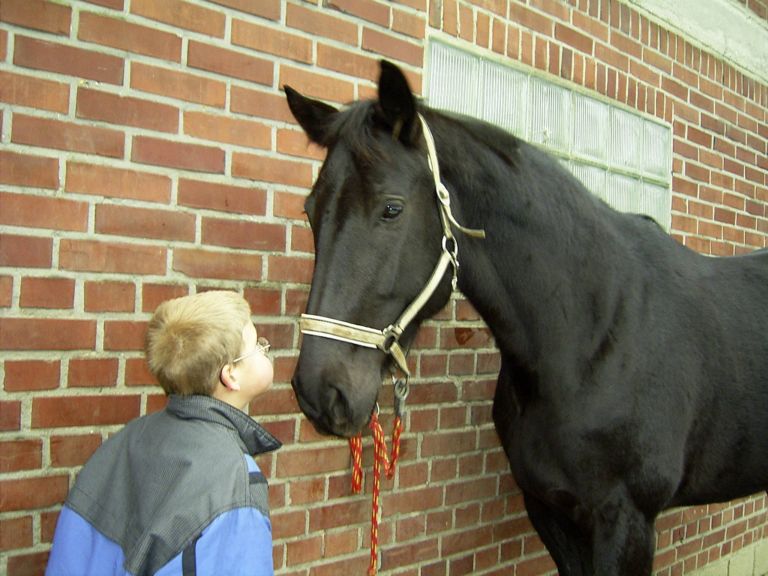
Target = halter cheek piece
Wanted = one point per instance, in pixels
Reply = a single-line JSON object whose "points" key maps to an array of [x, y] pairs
{"points": [[387, 340]]}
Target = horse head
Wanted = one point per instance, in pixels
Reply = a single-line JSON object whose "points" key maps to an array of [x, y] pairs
{"points": [[377, 233]]}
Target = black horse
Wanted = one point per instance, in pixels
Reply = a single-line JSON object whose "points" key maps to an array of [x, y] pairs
{"points": [[634, 372]]}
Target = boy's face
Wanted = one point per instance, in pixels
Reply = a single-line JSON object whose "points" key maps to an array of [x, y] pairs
{"points": [[255, 369]]}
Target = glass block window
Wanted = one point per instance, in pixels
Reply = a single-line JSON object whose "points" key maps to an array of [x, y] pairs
{"points": [[621, 156]]}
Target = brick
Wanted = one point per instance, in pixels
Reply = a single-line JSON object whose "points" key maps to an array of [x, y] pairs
{"points": [[105, 257], [47, 293], [19, 455], [230, 63], [227, 129], [476, 489], [656, 60], [349, 63], [354, 565], [195, 157], [25, 251], [369, 10], [308, 549], [675, 88], [145, 223], [289, 205], [466, 337], [48, 525], [222, 197], [27, 564], [590, 26], [263, 301], [530, 20], [413, 25], [573, 38], [222, 265], [109, 297], [38, 15], [269, 169], [156, 402], [10, 415], [67, 60], [243, 234], [3, 45], [84, 411], [296, 301], [290, 269], [322, 24], [273, 41], [47, 334], [275, 401], [338, 515], [269, 9], [92, 372], [446, 444], [182, 14], [392, 47], [32, 493], [123, 335], [179, 85], [67, 136], [16, 89], [137, 373], [128, 36], [28, 375], [152, 295], [25, 170], [69, 451], [260, 104], [612, 57], [316, 85], [117, 183], [127, 111], [43, 212], [15, 533], [114, 4]]}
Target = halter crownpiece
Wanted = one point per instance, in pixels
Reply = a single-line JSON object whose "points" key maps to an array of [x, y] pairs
{"points": [[387, 339]]}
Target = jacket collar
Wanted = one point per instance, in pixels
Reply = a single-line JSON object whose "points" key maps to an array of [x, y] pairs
{"points": [[253, 438]]}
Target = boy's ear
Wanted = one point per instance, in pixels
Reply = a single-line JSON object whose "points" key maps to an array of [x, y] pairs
{"points": [[228, 378], [397, 104], [314, 116]]}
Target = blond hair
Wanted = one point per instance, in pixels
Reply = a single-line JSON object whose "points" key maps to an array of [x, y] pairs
{"points": [[191, 338]]}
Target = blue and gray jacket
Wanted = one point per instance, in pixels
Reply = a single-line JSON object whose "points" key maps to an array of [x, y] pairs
{"points": [[175, 492]]}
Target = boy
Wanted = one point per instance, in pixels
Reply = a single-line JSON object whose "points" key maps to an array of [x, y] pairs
{"points": [[178, 491]]}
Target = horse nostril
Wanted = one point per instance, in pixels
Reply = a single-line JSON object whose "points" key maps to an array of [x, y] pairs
{"points": [[338, 409]]}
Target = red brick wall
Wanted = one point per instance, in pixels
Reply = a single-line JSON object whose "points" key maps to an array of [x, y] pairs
{"points": [[148, 152]]}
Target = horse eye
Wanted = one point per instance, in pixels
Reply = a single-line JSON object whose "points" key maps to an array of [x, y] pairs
{"points": [[392, 211]]}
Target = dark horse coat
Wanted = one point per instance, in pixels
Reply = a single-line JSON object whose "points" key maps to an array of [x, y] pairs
{"points": [[634, 372]]}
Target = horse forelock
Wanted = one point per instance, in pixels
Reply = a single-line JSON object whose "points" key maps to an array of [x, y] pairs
{"points": [[355, 127]]}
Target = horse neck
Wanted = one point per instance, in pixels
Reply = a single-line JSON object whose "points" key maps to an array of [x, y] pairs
{"points": [[541, 279]]}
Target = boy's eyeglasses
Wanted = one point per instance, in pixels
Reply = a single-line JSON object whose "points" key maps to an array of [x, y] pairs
{"points": [[262, 347]]}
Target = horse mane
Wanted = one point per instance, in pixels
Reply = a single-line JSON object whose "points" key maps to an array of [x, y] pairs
{"points": [[498, 140]]}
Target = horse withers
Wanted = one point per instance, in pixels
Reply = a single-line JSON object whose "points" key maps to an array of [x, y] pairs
{"points": [[634, 371]]}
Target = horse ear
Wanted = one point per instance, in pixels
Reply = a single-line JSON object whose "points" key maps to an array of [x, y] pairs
{"points": [[314, 116], [397, 104]]}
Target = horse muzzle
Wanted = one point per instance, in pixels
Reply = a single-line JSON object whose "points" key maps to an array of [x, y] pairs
{"points": [[333, 403]]}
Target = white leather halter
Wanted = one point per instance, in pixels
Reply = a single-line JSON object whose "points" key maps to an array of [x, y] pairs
{"points": [[387, 340]]}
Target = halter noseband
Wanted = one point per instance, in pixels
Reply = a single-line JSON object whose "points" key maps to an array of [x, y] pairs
{"points": [[387, 340]]}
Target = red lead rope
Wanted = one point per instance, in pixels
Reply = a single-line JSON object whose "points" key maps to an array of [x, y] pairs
{"points": [[379, 457]]}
